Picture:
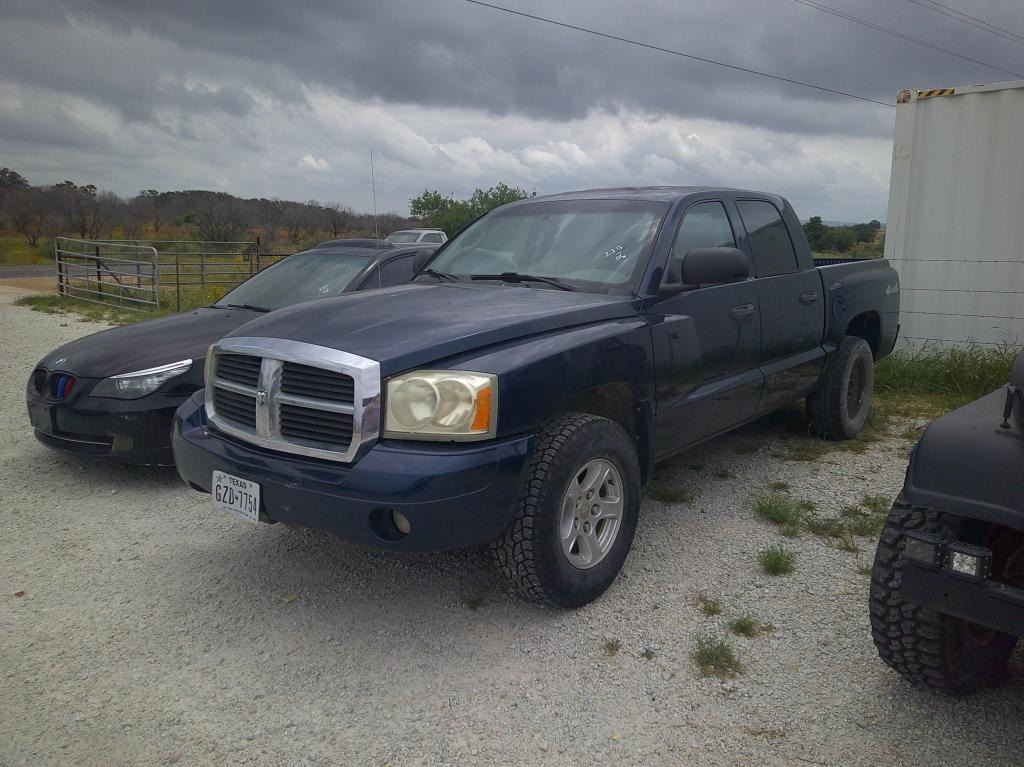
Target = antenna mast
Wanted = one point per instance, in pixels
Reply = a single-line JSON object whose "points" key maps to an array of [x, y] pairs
{"points": [[373, 187]]}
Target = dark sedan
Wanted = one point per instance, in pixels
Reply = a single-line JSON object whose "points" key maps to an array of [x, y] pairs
{"points": [[113, 393]]}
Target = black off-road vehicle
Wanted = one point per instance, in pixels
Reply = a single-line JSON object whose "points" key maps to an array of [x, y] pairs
{"points": [[947, 589]]}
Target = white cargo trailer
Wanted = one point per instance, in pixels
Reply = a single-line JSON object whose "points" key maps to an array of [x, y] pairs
{"points": [[955, 230]]}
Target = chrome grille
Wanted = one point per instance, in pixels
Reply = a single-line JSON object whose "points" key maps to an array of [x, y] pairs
{"points": [[294, 397], [315, 425], [239, 368], [316, 383], [235, 406]]}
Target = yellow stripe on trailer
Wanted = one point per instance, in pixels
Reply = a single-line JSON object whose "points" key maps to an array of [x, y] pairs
{"points": [[935, 92]]}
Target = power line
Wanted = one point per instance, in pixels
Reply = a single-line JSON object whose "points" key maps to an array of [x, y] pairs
{"points": [[971, 21], [887, 31], [690, 56]]}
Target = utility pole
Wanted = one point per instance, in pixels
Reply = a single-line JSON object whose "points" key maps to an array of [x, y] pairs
{"points": [[373, 187]]}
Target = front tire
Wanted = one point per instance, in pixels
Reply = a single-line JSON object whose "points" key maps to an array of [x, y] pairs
{"points": [[576, 515], [839, 408], [927, 647]]}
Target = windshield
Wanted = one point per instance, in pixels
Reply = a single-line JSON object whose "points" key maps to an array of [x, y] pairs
{"points": [[302, 277], [595, 244], [402, 237]]}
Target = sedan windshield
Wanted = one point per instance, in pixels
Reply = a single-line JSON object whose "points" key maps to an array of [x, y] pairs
{"points": [[298, 278], [590, 244], [402, 238]]}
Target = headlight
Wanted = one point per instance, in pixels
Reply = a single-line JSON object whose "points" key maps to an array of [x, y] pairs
{"points": [[141, 382], [442, 404]]}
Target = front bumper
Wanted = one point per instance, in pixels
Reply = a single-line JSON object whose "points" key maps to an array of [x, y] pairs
{"points": [[131, 431], [453, 495], [987, 603]]}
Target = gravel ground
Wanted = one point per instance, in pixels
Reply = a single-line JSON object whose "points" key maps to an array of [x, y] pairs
{"points": [[155, 631]]}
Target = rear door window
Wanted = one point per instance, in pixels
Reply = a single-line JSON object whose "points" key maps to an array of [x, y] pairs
{"points": [[769, 240]]}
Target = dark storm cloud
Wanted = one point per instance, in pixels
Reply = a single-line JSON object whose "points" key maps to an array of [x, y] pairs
{"points": [[450, 53]]}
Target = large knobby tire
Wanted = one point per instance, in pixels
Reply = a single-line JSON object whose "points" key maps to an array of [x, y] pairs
{"points": [[927, 647], [839, 407], [538, 553]]}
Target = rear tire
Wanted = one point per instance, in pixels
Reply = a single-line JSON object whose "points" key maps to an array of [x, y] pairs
{"points": [[576, 515], [927, 647], [839, 408]]}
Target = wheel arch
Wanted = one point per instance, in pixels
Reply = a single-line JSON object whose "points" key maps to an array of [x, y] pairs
{"points": [[867, 325]]}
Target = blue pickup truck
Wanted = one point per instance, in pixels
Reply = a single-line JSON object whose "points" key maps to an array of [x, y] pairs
{"points": [[518, 392]]}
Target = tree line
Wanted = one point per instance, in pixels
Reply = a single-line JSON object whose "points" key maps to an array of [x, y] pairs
{"points": [[865, 238], [83, 211]]}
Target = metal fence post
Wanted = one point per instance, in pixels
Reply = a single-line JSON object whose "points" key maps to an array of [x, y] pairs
{"points": [[202, 270], [99, 282], [177, 282], [60, 266], [155, 278]]}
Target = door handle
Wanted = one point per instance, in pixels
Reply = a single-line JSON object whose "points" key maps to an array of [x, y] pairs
{"points": [[809, 297], [743, 312]]}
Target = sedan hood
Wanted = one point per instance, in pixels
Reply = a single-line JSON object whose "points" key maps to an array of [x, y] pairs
{"points": [[416, 324], [146, 344]]}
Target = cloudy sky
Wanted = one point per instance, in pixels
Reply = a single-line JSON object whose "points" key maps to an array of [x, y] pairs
{"points": [[275, 99]]}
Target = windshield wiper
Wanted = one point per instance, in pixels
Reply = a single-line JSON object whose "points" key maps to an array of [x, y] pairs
{"points": [[517, 277], [250, 307], [440, 275]]}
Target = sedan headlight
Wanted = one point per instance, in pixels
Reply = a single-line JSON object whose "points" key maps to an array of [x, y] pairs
{"points": [[141, 382], [442, 404]]}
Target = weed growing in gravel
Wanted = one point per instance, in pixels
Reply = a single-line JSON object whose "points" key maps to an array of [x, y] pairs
{"points": [[707, 605], [612, 647], [648, 653], [877, 504], [669, 493], [779, 486], [748, 626], [779, 509], [803, 449], [724, 473], [714, 657], [865, 569], [776, 560]]}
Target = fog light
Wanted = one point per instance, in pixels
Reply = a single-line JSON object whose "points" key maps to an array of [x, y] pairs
{"points": [[923, 549], [968, 560], [401, 523]]}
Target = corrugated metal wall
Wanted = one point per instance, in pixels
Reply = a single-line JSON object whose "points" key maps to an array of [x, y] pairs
{"points": [[955, 230]]}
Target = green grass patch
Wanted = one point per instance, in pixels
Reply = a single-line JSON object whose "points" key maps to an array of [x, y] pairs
{"points": [[748, 626], [15, 251], [776, 560], [611, 647], [715, 657], [779, 486], [707, 605], [669, 492], [779, 509], [52, 303]]}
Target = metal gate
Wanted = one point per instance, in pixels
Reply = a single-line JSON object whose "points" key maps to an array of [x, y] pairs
{"points": [[110, 273], [141, 275]]}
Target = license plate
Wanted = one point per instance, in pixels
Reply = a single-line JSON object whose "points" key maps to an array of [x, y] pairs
{"points": [[237, 495], [40, 417]]}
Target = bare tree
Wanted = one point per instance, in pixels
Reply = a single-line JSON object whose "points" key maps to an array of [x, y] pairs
{"points": [[30, 212], [221, 218], [270, 214], [337, 216]]}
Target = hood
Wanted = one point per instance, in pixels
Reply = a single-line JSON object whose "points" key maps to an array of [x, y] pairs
{"points": [[146, 344], [413, 325]]}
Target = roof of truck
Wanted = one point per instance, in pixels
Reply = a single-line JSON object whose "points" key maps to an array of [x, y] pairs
{"points": [[651, 193]]}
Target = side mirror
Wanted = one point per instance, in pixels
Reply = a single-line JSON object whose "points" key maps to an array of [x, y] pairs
{"points": [[672, 280], [714, 266], [421, 259]]}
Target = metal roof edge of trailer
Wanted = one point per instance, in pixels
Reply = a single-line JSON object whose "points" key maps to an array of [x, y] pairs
{"points": [[908, 95]]}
